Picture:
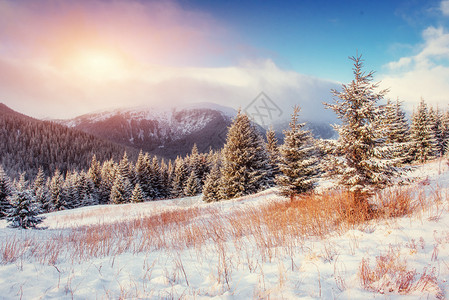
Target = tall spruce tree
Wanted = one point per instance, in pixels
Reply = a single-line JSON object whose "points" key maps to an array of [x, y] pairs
{"points": [[5, 192], [179, 177], [298, 162], [125, 168], [245, 161], [436, 119], [121, 191], [446, 132], [154, 179], [40, 190], [86, 190], [273, 155], [94, 174], [137, 194], [397, 131], [69, 194], [165, 179], [192, 187], [423, 144], [364, 165], [142, 172], [108, 174], [56, 191], [24, 210], [212, 184]]}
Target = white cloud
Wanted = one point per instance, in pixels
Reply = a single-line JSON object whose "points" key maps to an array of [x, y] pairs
{"points": [[401, 63], [34, 90], [425, 74], [445, 7]]}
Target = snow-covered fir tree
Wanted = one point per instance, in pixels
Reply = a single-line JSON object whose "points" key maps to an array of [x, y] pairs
{"points": [[40, 190], [24, 210], [154, 179], [423, 144], [212, 184], [446, 131], [5, 191], [137, 194], [108, 174], [298, 162], [121, 191], [179, 178], [94, 174], [364, 165], [55, 191], [166, 171], [198, 162], [126, 169], [273, 155], [436, 119], [70, 197], [245, 161], [397, 131], [87, 194], [142, 172], [192, 186]]}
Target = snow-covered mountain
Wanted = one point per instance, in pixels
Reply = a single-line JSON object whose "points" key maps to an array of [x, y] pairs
{"points": [[169, 132], [166, 132]]}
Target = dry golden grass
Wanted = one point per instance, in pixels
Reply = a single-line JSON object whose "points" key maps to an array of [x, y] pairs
{"points": [[281, 223], [390, 274]]}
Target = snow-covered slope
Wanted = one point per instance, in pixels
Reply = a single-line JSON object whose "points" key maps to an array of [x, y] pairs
{"points": [[184, 248]]}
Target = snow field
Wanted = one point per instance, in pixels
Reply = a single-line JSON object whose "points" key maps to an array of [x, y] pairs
{"points": [[259, 246]]}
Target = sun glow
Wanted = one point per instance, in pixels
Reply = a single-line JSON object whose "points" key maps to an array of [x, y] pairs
{"points": [[97, 65]]}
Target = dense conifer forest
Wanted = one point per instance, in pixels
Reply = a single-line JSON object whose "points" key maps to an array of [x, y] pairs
{"points": [[28, 144]]}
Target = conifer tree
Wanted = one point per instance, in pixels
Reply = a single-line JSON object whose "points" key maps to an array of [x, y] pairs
{"points": [[55, 191], [298, 160], [192, 185], [125, 168], [155, 179], [364, 165], [5, 191], [108, 174], [94, 174], [165, 179], [179, 178], [211, 190], [121, 190], [24, 210], [142, 171], [423, 145], [198, 163], [137, 195], [40, 191], [445, 127], [86, 190], [245, 161], [273, 155], [70, 197], [436, 120], [397, 131]]}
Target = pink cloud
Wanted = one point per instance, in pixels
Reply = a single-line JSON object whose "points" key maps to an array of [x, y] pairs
{"points": [[152, 31]]}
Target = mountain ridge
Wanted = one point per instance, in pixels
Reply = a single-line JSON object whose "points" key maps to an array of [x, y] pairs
{"points": [[172, 131]]}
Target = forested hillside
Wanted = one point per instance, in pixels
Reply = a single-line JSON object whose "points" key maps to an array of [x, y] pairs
{"points": [[27, 144]]}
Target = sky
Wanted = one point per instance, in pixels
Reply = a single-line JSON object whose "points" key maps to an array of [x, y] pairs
{"points": [[60, 59]]}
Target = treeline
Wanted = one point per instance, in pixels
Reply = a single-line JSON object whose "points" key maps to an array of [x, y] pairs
{"points": [[29, 144], [112, 182]]}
